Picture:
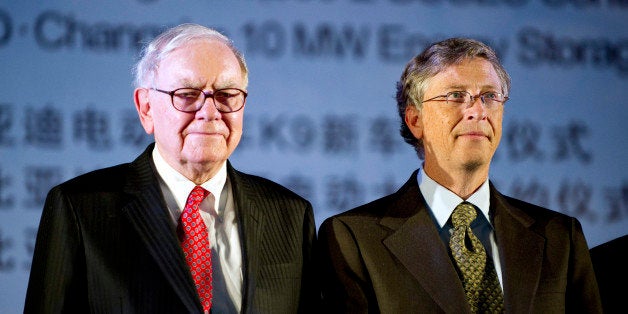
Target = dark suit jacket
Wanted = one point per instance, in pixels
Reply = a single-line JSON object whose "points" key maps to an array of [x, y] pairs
{"points": [[107, 244], [611, 270], [387, 256]]}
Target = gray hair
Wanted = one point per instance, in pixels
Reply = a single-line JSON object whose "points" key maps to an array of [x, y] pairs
{"points": [[433, 60], [173, 38]]}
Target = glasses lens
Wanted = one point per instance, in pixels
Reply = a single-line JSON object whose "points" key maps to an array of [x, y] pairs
{"points": [[458, 97], [492, 99], [188, 99], [229, 99]]}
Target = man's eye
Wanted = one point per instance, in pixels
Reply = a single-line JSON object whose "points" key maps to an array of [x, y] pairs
{"points": [[188, 94], [457, 96], [490, 95], [222, 94]]}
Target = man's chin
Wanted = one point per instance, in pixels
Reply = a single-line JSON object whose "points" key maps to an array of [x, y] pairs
{"points": [[206, 156], [471, 166]]}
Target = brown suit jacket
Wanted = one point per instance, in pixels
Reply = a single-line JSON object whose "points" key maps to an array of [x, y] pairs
{"points": [[387, 257], [107, 244]]}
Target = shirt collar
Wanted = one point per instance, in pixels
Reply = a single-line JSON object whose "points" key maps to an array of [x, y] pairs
{"points": [[181, 186], [442, 201]]}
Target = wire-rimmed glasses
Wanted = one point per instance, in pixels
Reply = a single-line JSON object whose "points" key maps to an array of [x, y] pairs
{"points": [[490, 100]]}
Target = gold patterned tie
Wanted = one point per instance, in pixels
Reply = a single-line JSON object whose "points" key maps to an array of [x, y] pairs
{"points": [[479, 278]]}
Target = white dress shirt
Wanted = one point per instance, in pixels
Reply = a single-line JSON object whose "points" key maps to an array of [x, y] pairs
{"points": [[218, 213], [442, 203]]}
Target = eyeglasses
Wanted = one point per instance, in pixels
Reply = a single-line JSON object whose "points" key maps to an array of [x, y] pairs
{"points": [[225, 100], [458, 98]]}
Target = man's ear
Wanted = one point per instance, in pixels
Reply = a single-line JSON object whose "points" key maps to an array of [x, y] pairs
{"points": [[144, 109], [414, 121]]}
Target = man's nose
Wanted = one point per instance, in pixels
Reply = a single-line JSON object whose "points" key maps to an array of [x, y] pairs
{"points": [[476, 109], [209, 109]]}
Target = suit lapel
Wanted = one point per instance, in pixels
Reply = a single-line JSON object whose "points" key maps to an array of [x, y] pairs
{"points": [[251, 222], [521, 253], [414, 240], [520, 249], [149, 217]]}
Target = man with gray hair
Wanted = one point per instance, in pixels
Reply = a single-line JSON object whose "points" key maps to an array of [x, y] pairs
{"points": [[178, 230], [448, 241]]}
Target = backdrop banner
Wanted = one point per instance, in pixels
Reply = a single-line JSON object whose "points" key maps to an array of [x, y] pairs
{"points": [[321, 115]]}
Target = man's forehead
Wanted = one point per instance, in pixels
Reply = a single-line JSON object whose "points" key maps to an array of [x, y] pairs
{"points": [[463, 74], [198, 75]]}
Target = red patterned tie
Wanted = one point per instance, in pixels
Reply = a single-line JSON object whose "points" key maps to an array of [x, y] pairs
{"points": [[195, 243]]}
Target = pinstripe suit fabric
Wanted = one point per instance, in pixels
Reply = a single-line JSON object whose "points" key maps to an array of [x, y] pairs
{"points": [[106, 244]]}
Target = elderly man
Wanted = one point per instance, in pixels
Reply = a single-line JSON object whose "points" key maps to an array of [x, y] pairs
{"points": [[178, 230], [448, 241]]}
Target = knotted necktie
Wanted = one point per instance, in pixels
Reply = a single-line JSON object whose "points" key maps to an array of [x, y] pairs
{"points": [[195, 243], [478, 272]]}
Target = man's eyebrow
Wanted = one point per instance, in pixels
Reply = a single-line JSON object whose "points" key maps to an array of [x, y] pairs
{"points": [[198, 84], [455, 87], [227, 84], [464, 87], [191, 83]]}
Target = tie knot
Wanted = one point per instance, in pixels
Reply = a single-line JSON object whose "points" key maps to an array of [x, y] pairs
{"points": [[463, 214], [197, 195]]}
